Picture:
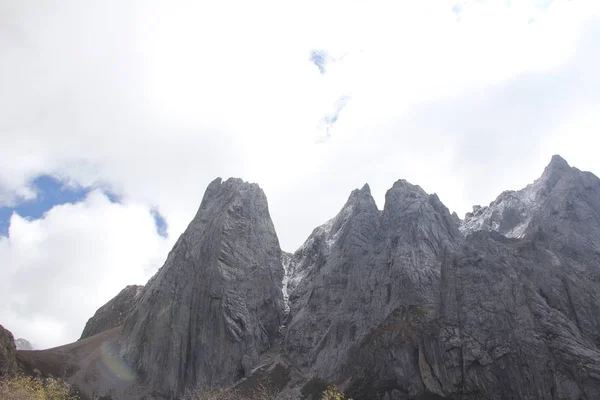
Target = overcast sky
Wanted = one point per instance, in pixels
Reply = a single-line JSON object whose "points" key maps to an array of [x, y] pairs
{"points": [[115, 115]]}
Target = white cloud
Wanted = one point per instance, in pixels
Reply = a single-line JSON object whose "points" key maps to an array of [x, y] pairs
{"points": [[57, 270], [154, 99]]}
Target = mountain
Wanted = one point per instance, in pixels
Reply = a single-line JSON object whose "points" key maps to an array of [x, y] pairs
{"points": [[400, 304], [406, 302], [370, 267], [113, 313], [217, 302], [513, 213], [23, 344]]}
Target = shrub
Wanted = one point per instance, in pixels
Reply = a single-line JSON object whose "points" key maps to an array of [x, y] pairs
{"points": [[23, 387], [333, 393], [260, 392]]}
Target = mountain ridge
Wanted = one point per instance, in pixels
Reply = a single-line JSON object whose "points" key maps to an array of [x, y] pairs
{"points": [[407, 302], [217, 299]]}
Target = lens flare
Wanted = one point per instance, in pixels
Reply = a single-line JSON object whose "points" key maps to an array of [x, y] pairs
{"points": [[114, 365]]}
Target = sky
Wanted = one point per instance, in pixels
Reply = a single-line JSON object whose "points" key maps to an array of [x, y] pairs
{"points": [[115, 116]]}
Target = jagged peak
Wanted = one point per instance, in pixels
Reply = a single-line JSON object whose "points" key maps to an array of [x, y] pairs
{"points": [[217, 182], [403, 196], [359, 196], [231, 186], [558, 162], [365, 190], [511, 212], [229, 253], [230, 183], [403, 184], [555, 170], [359, 201], [23, 344]]}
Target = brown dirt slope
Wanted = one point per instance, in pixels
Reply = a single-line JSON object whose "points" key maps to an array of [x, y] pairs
{"points": [[93, 365]]}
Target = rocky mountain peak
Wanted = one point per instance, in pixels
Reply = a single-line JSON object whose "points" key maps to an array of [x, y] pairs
{"points": [[512, 211], [217, 302], [23, 344], [360, 208], [567, 212], [365, 191], [558, 163], [392, 304], [379, 260], [403, 198], [557, 170], [113, 313], [359, 201], [239, 196], [413, 214], [358, 198], [406, 306]]}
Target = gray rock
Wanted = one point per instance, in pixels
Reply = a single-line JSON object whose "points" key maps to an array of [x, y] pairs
{"points": [[217, 303], [23, 344], [512, 212], [401, 303], [456, 219], [407, 302], [309, 258], [113, 313], [8, 353], [567, 215], [379, 261]]}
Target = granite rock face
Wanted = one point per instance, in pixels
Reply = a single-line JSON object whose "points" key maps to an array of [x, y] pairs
{"points": [[113, 313], [8, 353], [399, 304], [513, 212], [567, 215], [369, 265], [408, 302], [217, 302]]}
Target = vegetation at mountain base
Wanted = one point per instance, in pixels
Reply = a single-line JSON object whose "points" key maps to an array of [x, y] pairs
{"points": [[21, 387], [261, 392], [333, 393]]}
